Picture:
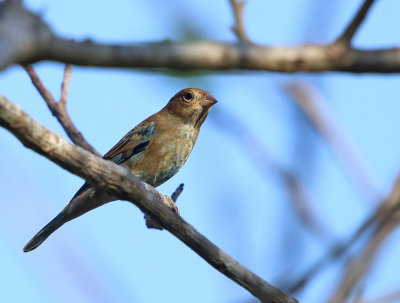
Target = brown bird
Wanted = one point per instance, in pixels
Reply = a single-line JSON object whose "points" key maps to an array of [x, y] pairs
{"points": [[154, 151]]}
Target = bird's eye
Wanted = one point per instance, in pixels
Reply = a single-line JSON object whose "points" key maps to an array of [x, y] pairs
{"points": [[187, 97]]}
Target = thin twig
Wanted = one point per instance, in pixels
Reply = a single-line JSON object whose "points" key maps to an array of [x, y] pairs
{"points": [[362, 261], [238, 28], [312, 105], [59, 110], [65, 85], [388, 218], [355, 23], [177, 192], [47, 96], [338, 250]]}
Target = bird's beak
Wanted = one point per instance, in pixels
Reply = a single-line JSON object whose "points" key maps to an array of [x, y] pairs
{"points": [[208, 101]]}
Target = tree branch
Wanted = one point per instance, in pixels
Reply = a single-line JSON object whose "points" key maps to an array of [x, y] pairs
{"points": [[312, 106], [65, 85], [177, 192], [238, 28], [355, 23], [120, 182], [389, 219], [25, 38], [386, 209], [262, 157], [59, 110], [209, 55]]}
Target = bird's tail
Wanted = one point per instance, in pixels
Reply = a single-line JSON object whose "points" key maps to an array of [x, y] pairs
{"points": [[45, 232]]}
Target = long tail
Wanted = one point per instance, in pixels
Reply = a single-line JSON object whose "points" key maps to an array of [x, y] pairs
{"points": [[45, 232]]}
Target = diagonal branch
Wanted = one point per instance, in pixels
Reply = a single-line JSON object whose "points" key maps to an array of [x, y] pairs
{"points": [[310, 103], [355, 23], [338, 250], [65, 85], [238, 28], [389, 219], [262, 157], [59, 110], [118, 181]]}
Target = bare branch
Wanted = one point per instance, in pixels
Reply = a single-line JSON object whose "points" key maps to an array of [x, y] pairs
{"points": [[22, 34], [177, 192], [209, 55], [65, 85], [361, 262], [263, 159], [238, 28], [59, 110], [355, 23], [321, 118], [338, 250], [25, 38], [118, 181], [47, 96]]}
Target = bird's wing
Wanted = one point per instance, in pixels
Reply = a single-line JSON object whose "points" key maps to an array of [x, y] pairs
{"points": [[132, 143]]}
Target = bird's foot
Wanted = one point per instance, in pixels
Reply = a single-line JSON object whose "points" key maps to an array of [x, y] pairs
{"points": [[153, 223]]}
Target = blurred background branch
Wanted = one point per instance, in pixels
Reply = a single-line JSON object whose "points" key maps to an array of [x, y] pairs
{"points": [[388, 219], [20, 27], [262, 158], [322, 119], [238, 28]]}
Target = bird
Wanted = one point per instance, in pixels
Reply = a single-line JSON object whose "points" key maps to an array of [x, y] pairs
{"points": [[154, 151]]}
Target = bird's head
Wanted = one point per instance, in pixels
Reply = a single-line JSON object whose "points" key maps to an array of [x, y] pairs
{"points": [[191, 105]]}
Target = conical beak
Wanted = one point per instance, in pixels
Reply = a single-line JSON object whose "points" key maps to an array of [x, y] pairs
{"points": [[208, 101]]}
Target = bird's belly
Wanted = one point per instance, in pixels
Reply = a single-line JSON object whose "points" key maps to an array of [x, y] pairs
{"points": [[156, 168]]}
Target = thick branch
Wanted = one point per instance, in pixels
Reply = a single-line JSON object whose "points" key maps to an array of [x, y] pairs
{"points": [[355, 23], [25, 38], [209, 55], [118, 181]]}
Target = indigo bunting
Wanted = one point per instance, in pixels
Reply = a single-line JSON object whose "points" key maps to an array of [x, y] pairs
{"points": [[154, 151]]}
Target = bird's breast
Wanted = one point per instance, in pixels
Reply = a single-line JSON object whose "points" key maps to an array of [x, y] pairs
{"points": [[165, 155]]}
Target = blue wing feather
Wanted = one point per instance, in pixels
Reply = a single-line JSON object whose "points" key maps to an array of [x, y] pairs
{"points": [[131, 144]]}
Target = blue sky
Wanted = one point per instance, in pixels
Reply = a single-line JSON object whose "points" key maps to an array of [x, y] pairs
{"points": [[108, 255]]}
